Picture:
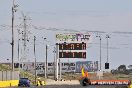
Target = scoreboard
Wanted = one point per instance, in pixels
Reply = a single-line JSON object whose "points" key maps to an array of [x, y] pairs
{"points": [[72, 50]]}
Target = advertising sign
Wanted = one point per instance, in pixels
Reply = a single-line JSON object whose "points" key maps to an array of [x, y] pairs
{"points": [[28, 66], [88, 66], [72, 37], [40, 68]]}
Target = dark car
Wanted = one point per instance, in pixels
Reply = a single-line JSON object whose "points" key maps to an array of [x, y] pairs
{"points": [[24, 82]]}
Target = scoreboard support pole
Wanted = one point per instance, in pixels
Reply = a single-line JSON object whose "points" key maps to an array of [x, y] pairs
{"points": [[60, 68], [57, 53]]}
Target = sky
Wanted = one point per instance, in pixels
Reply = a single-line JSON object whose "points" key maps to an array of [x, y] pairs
{"points": [[113, 17]]}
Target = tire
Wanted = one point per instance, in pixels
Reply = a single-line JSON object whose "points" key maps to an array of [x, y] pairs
{"points": [[18, 85], [85, 82], [37, 85], [23, 85]]}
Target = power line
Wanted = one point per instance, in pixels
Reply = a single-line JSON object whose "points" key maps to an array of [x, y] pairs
{"points": [[122, 32]]}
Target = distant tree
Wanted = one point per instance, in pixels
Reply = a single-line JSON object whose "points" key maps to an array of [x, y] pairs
{"points": [[130, 66], [122, 68], [114, 71]]}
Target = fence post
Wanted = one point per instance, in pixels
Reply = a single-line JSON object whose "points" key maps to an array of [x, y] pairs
{"points": [[2, 75], [6, 75], [10, 84]]}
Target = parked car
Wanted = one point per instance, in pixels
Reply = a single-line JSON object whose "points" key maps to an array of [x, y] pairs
{"points": [[24, 82]]}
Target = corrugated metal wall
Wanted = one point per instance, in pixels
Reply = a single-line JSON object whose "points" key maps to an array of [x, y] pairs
{"points": [[9, 75]]}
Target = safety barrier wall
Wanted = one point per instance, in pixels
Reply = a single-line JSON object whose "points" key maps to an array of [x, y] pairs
{"points": [[8, 83], [9, 75]]}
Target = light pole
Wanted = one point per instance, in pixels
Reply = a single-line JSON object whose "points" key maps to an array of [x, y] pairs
{"points": [[46, 61], [57, 57], [35, 58], [45, 69], [100, 51], [107, 37], [19, 51], [54, 61]]}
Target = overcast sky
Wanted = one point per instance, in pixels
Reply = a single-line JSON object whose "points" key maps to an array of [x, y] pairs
{"points": [[108, 16]]}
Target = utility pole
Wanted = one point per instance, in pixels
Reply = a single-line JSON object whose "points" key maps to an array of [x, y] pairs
{"points": [[35, 58], [25, 37], [13, 36], [100, 51], [13, 11]]}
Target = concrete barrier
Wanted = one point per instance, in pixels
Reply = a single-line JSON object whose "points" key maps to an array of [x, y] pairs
{"points": [[9, 83]]}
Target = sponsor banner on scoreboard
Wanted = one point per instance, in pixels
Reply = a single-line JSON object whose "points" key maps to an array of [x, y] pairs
{"points": [[88, 66], [72, 37]]}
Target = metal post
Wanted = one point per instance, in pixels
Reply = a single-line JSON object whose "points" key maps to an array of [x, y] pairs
{"points": [[100, 54], [45, 70], [35, 58], [18, 53], [60, 67], [56, 61], [107, 50], [45, 75], [107, 36], [68, 68], [46, 62]]}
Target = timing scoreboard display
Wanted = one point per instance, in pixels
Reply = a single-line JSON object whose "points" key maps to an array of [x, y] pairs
{"points": [[72, 50], [72, 46]]}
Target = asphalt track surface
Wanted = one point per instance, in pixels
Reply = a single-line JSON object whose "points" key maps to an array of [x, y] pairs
{"points": [[75, 86]]}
